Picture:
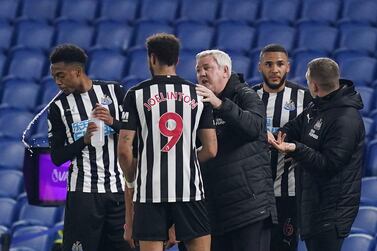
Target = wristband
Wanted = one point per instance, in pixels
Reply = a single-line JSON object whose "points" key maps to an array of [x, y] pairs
{"points": [[130, 185]]}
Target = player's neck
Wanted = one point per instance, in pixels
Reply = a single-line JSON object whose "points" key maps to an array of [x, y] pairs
{"points": [[166, 70]]}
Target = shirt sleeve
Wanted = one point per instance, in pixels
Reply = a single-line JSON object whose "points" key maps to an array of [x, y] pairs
{"points": [[129, 114], [206, 119], [120, 93]]}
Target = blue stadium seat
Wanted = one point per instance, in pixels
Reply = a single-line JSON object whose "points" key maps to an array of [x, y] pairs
{"points": [[8, 211], [40, 243], [186, 65], [360, 70], [120, 38], [300, 61], [365, 12], [13, 122], [26, 64], [130, 81], [365, 221], [340, 55], [283, 34], [194, 35], [159, 10], [15, 91], [366, 37], [12, 183], [9, 8], [40, 9], [138, 66], [3, 60], [362, 242], [241, 64], [145, 28], [316, 36], [75, 32], [83, 10], [34, 34], [371, 160], [234, 36], [369, 184], [40, 127], [49, 90], [106, 65], [369, 127], [199, 10], [320, 10], [240, 10], [368, 96], [301, 246], [36, 215], [277, 10], [119, 10], [6, 32]]}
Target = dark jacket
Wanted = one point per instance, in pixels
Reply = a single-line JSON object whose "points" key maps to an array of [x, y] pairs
{"points": [[238, 182], [329, 137]]}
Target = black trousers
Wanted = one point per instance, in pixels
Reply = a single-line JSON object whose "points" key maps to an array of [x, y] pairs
{"points": [[284, 235], [324, 241], [253, 237], [94, 222]]}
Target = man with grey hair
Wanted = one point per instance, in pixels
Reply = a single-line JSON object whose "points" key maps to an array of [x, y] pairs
{"points": [[238, 181], [326, 141]]}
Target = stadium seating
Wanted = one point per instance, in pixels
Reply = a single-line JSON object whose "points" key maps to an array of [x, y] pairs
{"points": [[120, 38], [320, 10], [366, 37], [371, 161], [15, 91], [8, 212], [12, 154], [234, 36], [366, 221], [300, 61], [40, 243], [282, 11], [39, 9], [365, 12], [240, 10], [138, 64], [360, 70], [368, 191], [145, 28], [34, 34], [194, 35], [11, 184], [362, 242], [106, 65], [368, 96], [159, 10], [75, 32], [13, 122], [83, 10], [6, 32], [119, 10], [35, 215], [186, 65], [8, 10], [241, 64], [199, 10]]}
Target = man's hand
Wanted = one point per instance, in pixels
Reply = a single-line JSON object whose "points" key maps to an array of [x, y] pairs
{"points": [[103, 114], [92, 127], [208, 96], [270, 137], [282, 146], [172, 240]]}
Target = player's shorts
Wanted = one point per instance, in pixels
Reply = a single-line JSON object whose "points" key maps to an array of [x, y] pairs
{"points": [[153, 220]]}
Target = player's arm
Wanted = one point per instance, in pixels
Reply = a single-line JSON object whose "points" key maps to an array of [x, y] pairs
{"points": [[125, 154], [61, 151], [209, 144]]}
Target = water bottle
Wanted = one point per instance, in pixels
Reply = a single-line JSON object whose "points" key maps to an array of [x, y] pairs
{"points": [[98, 137]]}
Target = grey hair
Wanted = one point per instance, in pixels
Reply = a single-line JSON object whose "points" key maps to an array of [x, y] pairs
{"points": [[221, 58]]}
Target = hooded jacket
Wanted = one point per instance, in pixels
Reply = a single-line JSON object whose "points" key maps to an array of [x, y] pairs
{"points": [[238, 182], [329, 137]]}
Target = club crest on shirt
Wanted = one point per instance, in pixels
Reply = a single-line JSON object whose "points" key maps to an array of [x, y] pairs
{"points": [[318, 124], [77, 246], [290, 105], [106, 100]]}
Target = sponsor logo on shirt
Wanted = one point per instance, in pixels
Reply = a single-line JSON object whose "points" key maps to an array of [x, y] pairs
{"points": [[79, 129]]}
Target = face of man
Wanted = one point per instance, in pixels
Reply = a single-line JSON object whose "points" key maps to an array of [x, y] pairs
{"points": [[211, 75], [66, 76], [274, 67]]}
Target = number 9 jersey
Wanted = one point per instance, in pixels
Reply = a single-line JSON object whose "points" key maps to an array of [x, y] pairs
{"points": [[166, 114]]}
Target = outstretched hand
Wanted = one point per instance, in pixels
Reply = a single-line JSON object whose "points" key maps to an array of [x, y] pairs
{"points": [[282, 146]]}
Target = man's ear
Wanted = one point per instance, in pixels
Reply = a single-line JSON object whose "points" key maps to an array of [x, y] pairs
{"points": [[226, 71]]}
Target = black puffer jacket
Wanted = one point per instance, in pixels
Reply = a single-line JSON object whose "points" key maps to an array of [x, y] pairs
{"points": [[238, 182], [330, 139]]}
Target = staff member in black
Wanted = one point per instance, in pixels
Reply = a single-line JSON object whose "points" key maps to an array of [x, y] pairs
{"points": [[238, 182], [94, 211], [326, 141]]}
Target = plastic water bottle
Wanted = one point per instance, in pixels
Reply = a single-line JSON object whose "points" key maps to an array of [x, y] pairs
{"points": [[98, 137]]}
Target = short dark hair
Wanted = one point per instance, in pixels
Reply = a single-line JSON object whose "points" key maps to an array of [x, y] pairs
{"points": [[165, 47], [273, 48], [69, 54], [325, 71]]}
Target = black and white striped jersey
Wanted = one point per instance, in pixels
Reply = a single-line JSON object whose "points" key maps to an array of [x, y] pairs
{"points": [[93, 170], [166, 113], [282, 107]]}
